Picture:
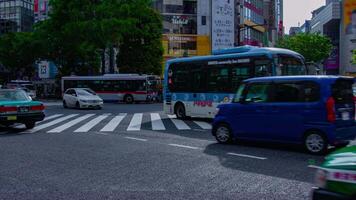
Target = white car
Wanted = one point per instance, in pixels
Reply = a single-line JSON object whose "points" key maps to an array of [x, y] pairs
{"points": [[81, 98]]}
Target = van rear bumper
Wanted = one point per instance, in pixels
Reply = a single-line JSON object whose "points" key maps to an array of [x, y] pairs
{"points": [[344, 134]]}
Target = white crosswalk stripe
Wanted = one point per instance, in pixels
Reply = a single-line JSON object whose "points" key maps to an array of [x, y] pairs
{"points": [[51, 123], [157, 124], [86, 127], [203, 125], [135, 124], [81, 123], [111, 126], [51, 117], [70, 124], [181, 125]]}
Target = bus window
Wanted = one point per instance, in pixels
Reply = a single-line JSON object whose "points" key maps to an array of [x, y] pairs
{"points": [[218, 79], [179, 78], [263, 67], [198, 78], [238, 74], [288, 65]]}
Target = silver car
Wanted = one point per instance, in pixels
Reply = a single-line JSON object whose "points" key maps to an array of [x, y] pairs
{"points": [[81, 98]]}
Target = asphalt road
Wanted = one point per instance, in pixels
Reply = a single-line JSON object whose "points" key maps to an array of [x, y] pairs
{"points": [[137, 152]]}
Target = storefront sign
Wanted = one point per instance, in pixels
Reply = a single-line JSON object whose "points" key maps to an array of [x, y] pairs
{"points": [[180, 20], [223, 24]]}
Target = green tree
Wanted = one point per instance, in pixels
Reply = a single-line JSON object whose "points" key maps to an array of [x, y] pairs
{"points": [[18, 52], [354, 57], [314, 47]]}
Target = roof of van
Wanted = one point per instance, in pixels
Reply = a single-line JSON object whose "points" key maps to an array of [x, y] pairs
{"points": [[296, 78], [237, 52]]}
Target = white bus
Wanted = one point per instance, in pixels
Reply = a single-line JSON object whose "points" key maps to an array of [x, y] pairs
{"points": [[116, 87]]}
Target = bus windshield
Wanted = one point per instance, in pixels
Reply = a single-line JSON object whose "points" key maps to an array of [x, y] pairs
{"points": [[290, 66]]}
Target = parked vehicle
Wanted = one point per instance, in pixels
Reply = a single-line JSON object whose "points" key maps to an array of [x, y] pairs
{"points": [[195, 86], [17, 107], [336, 178], [315, 111], [128, 88], [27, 86], [81, 98]]}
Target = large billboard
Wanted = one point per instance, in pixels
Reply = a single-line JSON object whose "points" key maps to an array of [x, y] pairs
{"points": [[223, 24], [349, 18]]}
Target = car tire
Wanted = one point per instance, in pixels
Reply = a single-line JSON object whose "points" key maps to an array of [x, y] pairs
{"points": [[315, 143], [223, 134], [77, 105], [128, 99], [180, 111], [30, 125], [65, 104]]}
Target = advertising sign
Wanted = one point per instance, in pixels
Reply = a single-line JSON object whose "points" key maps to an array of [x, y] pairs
{"points": [[43, 69], [349, 18], [332, 62], [223, 24]]}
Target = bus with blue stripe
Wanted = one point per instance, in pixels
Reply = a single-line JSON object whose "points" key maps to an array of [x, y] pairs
{"points": [[195, 86]]}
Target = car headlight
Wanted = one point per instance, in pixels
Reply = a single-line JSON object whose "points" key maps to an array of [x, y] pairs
{"points": [[321, 178], [84, 101]]}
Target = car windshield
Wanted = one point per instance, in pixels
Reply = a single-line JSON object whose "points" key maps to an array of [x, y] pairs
{"points": [[13, 95], [85, 92]]}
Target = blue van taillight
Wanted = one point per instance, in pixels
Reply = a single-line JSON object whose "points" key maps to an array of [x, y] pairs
{"points": [[330, 110]]}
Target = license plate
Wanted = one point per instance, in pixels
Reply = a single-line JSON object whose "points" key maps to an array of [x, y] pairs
{"points": [[11, 118], [23, 109], [345, 116]]}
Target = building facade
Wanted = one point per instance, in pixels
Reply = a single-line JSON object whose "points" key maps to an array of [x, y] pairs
{"points": [[16, 16], [41, 10], [273, 14]]}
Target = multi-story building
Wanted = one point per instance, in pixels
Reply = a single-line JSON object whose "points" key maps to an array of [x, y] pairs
{"points": [[326, 21], [273, 14], [16, 16], [294, 30], [41, 10], [305, 28], [186, 27]]}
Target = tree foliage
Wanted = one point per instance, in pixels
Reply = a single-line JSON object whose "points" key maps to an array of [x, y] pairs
{"points": [[314, 47], [354, 57], [79, 30]]}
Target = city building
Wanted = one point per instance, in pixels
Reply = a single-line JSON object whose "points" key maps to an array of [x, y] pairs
{"points": [[273, 14], [305, 28], [326, 21], [41, 10], [16, 16], [294, 30]]}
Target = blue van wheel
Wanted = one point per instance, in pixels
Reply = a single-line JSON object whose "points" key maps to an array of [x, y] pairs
{"points": [[315, 142], [223, 134]]}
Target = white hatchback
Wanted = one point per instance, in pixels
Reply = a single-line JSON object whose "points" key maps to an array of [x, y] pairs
{"points": [[81, 98]]}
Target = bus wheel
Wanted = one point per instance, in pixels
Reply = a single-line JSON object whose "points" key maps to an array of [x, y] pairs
{"points": [[128, 99], [180, 111]]}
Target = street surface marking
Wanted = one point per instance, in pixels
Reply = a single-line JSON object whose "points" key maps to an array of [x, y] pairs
{"points": [[157, 124], [138, 139], [179, 123], [246, 156], [135, 124], [46, 125], [111, 126], [184, 146], [50, 117], [203, 125], [70, 124], [86, 127]]}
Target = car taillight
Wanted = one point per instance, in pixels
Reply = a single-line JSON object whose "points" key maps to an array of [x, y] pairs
{"points": [[8, 109], [330, 109], [37, 108]]}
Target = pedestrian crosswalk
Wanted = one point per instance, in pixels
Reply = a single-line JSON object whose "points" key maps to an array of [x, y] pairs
{"points": [[106, 123]]}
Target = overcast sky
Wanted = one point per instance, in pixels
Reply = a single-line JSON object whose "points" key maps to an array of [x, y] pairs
{"points": [[298, 11]]}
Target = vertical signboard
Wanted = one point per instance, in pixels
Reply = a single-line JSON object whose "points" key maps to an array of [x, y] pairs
{"points": [[348, 37], [349, 16], [43, 70], [223, 23]]}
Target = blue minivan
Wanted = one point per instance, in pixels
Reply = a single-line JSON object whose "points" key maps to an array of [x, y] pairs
{"points": [[314, 111]]}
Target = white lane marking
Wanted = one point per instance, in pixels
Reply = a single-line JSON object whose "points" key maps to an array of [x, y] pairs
{"points": [[184, 146], [181, 125], [203, 125], [157, 124], [86, 127], [138, 139], [135, 124], [54, 122], [70, 124], [50, 117], [111, 126], [247, 156]]}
